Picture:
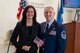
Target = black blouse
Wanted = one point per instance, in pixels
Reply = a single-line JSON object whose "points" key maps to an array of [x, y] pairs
{"points": [[29, 28]]}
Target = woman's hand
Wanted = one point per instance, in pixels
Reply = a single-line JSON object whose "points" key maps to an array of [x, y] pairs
{"points": [[26, 48], [40, 44]]}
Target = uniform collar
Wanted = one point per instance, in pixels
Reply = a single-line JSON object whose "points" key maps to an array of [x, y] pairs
{"points": [[50, 22]]}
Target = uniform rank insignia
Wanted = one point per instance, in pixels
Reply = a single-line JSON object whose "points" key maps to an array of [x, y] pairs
{"points": [[63, 34]]}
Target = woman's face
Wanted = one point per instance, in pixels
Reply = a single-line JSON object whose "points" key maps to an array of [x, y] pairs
{"points": [[30, 13]]}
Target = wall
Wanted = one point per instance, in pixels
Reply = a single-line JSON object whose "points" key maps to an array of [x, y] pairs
{"points": [[8, 9], [69, 15]]}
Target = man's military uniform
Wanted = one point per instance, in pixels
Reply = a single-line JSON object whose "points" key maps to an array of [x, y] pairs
{"points": [[54, 38]]}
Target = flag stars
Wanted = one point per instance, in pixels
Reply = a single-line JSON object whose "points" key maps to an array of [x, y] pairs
{"points": [[23, 4]]}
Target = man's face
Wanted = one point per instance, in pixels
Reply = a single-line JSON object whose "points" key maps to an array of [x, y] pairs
{"points": [[49, 13]]}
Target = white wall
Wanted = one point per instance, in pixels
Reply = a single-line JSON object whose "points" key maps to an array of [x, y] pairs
{"points": [[9, 9], [69, 15]]}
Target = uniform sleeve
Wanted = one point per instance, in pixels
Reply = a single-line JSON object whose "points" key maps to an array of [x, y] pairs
{"points": [[15, 35], [61, 39]]}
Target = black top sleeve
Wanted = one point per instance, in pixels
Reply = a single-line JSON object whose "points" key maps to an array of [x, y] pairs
{"points": [[14, 36]]}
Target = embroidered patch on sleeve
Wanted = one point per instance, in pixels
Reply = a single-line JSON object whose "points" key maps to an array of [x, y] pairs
{"points": [[63, 34]]}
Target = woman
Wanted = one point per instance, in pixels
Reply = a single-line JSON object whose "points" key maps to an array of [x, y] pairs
{"points": [[27, 29]]}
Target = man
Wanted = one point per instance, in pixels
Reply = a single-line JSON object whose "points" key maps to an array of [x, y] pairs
{"points": [[52, 33]]}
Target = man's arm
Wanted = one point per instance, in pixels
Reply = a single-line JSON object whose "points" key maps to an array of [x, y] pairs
{"points": [[61, 39]]}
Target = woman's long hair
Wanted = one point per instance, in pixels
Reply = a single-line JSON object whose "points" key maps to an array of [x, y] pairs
{"points": [[23, 21]]}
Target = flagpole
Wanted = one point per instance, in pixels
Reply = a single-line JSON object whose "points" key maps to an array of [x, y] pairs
{"points": [[38, 49]]}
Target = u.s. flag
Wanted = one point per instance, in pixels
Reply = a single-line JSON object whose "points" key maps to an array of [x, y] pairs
{"points": [[38, 41], [22, 5]]}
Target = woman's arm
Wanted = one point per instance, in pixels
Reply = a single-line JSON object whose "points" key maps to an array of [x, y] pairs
{"points": [[15, 36]]}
